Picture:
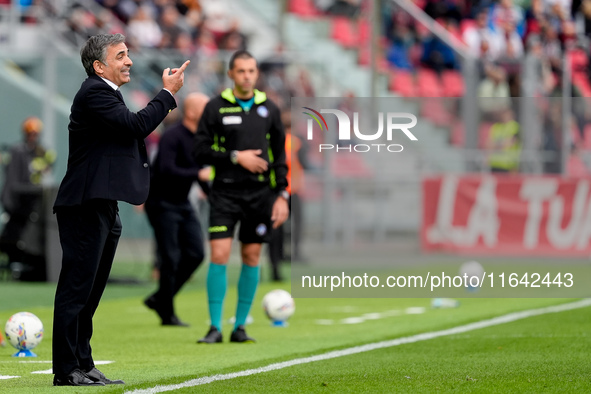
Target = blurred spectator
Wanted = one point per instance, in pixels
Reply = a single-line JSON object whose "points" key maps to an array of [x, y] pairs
{"points": [[551, 48], [22, 238], [217, 18], [436, 53], [541, 81], [170, 24], [403, 39], [233, 40], [505, 11], [81, 25], [507, 44], [348, 8], [184, 44], [474, 35], [142, 30], [576, 166], [504, 143], [107, 23]]}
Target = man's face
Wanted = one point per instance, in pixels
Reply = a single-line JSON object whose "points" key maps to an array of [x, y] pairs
{"points": [[117, 65], [244, 74]]}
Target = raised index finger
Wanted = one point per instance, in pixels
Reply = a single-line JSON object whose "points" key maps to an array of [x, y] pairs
{"points": [[184, 66]]}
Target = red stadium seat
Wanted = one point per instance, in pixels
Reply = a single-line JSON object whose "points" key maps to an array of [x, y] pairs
{"points": [[452, 83], [428, 83], [364, 28], [363, 59], [402, 82], [343, 31], [303, 8]]}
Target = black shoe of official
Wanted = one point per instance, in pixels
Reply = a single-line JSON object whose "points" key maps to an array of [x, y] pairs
{"points": [[75, 378], [239, 335], [97, 376], [213, 336], [174, 321], [152, 303]]}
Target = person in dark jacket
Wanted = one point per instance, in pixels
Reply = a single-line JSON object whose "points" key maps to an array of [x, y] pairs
{"points": [[107, 162], [176, 227]]}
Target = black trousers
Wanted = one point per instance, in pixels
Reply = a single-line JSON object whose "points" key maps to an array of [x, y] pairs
{"points": [[180, 245], [89, 235]]}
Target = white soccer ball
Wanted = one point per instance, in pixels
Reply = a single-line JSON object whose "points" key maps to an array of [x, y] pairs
{"points": [[24, 330], [472, 269], [278, 305]]}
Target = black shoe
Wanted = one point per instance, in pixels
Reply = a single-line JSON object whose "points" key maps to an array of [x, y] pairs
{"points": [[167, 320], [97, 376], [174, 321], [239, 335], [151, 302], [213, 336], [75, 378]]}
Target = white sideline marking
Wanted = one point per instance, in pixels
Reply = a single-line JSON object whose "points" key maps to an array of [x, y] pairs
{"points": [[511, 317], [8, 377], [415, 310]]}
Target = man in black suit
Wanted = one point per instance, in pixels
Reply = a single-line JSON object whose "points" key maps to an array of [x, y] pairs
{"points": [[107, 162]]}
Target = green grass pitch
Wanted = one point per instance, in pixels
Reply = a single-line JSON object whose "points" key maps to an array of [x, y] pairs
{"points": [[542, 354]]}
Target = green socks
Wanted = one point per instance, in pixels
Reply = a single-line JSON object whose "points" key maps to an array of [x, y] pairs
{"points": [[247, 287], [216, 291]]}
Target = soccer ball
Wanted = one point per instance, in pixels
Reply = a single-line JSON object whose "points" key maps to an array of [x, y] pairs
{"points": [[471, 269], [278, 305], [24, 331]]}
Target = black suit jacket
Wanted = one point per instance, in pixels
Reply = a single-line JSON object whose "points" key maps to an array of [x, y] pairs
{"points": [[107, 155]]}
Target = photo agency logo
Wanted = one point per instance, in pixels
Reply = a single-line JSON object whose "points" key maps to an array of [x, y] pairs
{"points": [[395, 121]]}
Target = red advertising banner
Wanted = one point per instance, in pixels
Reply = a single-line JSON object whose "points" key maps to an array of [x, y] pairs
{"points": [[507, 215]]}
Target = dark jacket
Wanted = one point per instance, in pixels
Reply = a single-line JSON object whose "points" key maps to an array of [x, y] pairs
{"points": [[175, 170], [107, 155], [225, 127]]}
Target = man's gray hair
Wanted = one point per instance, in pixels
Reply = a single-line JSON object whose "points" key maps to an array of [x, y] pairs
{"points": [[96, 49]]}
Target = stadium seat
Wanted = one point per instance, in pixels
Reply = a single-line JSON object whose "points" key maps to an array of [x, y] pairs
{"points": [[428, 83], [364, 30], [303, 8], [343, 32], [402, 82], [452, 83], [363, 59]]}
